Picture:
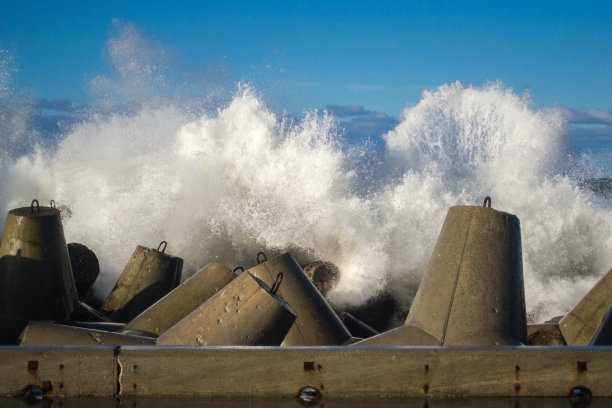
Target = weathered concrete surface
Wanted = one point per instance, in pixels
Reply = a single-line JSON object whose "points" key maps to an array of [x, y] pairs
{"points": [[472, 293], [35, 274], [149, 275], [49, 334], [336, 372], [581, 322], [183, 300], [316, 323], [364, 371], [545, 334], [213, 402], [58, 371], [244, 312]]}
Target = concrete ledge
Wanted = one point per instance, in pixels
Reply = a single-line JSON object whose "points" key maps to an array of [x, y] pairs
{"points": [[58, 370], [343, 372], [281, 372]]}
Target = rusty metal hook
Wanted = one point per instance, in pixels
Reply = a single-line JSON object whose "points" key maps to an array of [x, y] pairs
{"points": [[32, 206], [238, 267], [165, 244], [265, 258], [276, 284], [487, 202], [52, 204]]}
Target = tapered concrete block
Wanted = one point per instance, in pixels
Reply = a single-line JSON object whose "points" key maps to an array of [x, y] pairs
{"points": [[245, 312], [149, 275], [317, 324], [50, 334], [36, 279], [183, 300], [579, 325], [85, 267], [472, 293]]}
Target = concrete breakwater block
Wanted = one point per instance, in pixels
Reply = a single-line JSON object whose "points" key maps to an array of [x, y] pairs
{"points": [[49, 334], [37, 281], [148, 276], [579, 325], [183, 300], [472, 293], [245, 312], [317, 324], [85, 267]]}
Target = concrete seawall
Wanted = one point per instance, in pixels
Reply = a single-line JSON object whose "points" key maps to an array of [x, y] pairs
{"points": [[334, 372]]}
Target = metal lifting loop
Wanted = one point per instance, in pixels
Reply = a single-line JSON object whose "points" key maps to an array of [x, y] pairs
{"points": [[276, 284], [37, 206], [165, 244], [52, 204], [236, 269], [487, 202], [265, 258]]}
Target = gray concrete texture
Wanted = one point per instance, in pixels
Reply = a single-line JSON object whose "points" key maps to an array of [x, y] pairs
{"points": [[472, 292], [35, 272], [244, 313], [183, 300], [317, 324], [49, 334], [579, 325], [148, 276]]}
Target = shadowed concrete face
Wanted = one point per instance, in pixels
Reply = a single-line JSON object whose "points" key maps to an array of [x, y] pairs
{"points": [[183, 300], [148, 276], [85, 267], [245, 312], [581, 322], [472, 292], [36, 280], [316, 324], [603, 334]]}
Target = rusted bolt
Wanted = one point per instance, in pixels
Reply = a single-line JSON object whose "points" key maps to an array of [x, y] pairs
{"points": [[33, 366], [47, 386], [309, 396]]}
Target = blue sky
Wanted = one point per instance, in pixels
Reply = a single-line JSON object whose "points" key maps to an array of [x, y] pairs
{"points": [[376, 56]]}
